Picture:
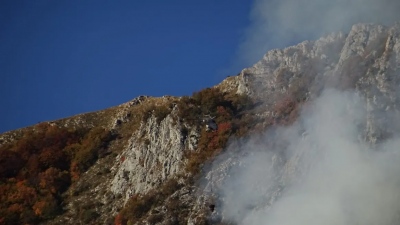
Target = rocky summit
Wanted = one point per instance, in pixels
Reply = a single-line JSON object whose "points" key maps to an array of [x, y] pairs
{"points": [[307, 135]]}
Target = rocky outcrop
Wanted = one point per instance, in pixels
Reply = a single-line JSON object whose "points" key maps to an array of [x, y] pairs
{"points": [[154, 153]]}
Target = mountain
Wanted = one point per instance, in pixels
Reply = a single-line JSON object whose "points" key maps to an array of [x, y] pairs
{"points": [[307, 135]]}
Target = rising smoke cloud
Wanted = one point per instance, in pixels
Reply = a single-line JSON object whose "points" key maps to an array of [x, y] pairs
{"points": [[318, 171], [279, 23]]}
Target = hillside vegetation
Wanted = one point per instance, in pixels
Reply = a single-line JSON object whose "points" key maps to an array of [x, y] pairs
{"points": [[38, 168]]}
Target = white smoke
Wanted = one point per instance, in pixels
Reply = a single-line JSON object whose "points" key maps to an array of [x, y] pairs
{"points": [[318, 171], [279, 23]]}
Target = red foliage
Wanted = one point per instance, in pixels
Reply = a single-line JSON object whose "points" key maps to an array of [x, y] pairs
{"points": [[38, 207], [15, 208], [224, 127], [22, 193], [122, 159], [119, 220], [285, 105], [75, 171], [53, 157], [213, 142], [54, 180], [224, 114], [45, 207], [286, 110], [33, 165], [221, 110], [33, 174]]}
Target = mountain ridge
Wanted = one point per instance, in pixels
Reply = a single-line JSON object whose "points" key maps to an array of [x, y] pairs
{"points": [[158, 150]]}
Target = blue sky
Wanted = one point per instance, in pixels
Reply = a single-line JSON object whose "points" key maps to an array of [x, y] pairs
{"points": [[61, 58]]}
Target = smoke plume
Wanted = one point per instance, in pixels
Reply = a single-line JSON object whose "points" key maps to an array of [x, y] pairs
{"points": [[318, 171], [279, 23], [321, 169]]}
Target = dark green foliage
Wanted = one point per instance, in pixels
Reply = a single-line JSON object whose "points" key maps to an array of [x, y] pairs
{"points": [[188, 110], [88, 215], [138, 206], [208, 100], [155, 218], [10, 163], [161, 112], [87, 153], [205, 102]]}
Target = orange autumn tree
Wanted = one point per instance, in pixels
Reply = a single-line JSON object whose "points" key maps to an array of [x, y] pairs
{"points": [[38, 168]]}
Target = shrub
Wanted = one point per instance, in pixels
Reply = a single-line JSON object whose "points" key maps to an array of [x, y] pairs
{"points": [[10, 163], [138, 206], [208, 99], [160, 112], [155, 218], [286, 110], [86, 154], [88, 215]]}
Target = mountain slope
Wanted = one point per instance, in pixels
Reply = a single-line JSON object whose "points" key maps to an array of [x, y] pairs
{"points": [[155, 162]]}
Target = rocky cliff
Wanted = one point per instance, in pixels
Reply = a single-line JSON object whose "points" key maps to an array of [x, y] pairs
{"points": [[162, 166]]}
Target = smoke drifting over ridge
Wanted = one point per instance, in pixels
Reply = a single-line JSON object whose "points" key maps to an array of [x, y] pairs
{"points": [[317, 171], [279, 23], [321, 169]]}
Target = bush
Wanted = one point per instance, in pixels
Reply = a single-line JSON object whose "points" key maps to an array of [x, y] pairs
{"points": [[208, 99], [86, 154], [155, 218], [138, 206], [160, 112], [10, 163], [286, 110], [88, 215]]}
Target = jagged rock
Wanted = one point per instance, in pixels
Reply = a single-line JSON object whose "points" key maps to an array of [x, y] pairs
{"points": [[154, 154]]}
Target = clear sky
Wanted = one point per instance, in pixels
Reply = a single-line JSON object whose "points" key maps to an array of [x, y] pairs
{"points": [[60, 58]]}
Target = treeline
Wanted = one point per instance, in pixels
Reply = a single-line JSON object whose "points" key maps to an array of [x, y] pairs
{"points": [[38, 168]]}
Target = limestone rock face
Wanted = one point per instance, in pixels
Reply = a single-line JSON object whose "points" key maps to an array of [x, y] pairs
{"points": [[154, 154]]}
